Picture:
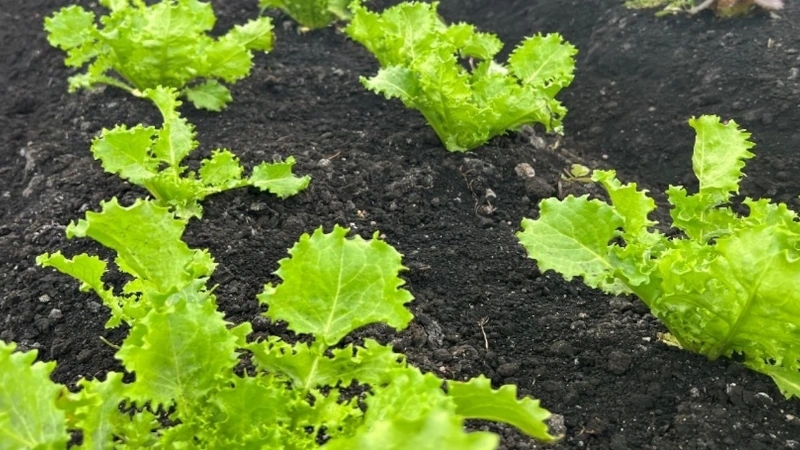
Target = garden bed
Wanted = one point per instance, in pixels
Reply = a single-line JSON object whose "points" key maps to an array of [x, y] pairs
{"points": [[481, 305]]}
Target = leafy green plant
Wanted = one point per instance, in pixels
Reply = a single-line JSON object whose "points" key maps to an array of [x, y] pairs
{"points": [[152, 158], [138, 47], [311, 14], [420, 65], [188, 392], [725, 284]]}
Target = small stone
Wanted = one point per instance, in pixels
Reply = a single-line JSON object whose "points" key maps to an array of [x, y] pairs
{"points": [[618, 362], [55, 315], [764, 399], [260, 323], [620, 304], [735, 393], [442, 355], [524, 170], [508, 369], [44, 298], [257, 206], [84, 355], [538, 188], [42, 324], [323, 163], [556, 424], [562, 348]]}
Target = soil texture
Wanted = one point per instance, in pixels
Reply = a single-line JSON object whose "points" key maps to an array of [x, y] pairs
{"points": [[481, 306]]}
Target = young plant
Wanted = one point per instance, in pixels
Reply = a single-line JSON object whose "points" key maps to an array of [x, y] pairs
{"points": [[152, 158], [311, 14], [188, 393], [423, 64], [137, 47], [725, 285]]}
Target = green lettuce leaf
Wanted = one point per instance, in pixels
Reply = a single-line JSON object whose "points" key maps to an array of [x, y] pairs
{"points": [[147, 240], [358, 285], [311, 14], [153, 158], [139, 46], [189, 389], [28, 414], [173, 359], [419, 56], [723, 286], [475, 399]]}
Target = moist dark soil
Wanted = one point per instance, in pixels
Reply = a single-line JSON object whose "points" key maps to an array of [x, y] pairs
{"points": [[594, 359]]}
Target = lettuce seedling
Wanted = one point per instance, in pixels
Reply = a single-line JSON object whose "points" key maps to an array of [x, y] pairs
{"points": [[421, 64], [184, 355], [311, 14], [137, 47], [152, 158], [726, 283]]}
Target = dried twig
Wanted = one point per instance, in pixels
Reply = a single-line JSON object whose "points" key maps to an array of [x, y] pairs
{"points": [[481, 323]]}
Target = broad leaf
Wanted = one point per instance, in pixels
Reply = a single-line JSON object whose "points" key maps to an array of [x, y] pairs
{"points": [[28, 414], [277, 178], [475, 399], [357, 285]]}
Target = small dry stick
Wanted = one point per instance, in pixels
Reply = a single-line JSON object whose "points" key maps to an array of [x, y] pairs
{"points": [[481, 323]]}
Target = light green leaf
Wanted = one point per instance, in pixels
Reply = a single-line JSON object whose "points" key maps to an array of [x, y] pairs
{"points": [[252, 413], [394, 82], [473, 44], [278, 179], [436, 431], [147, 239], [87, 269], [339, 8], [788, 380], [210, 95], [254, 35], [70, 27], [544, 61], [357, 285], [475, 399], [126, 152], [139, 46], [95, 410], [719, 154], [411, 394], [221, 170], [724, 285], [755, 276], [29, 417], [176, 138], [228, 60], [633, 205], [419, 61], [177, 353], [572, 237], [310, 366], [698, 216]]}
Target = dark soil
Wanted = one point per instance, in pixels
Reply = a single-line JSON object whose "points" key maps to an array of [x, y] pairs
{"points": [[594, 359]]}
